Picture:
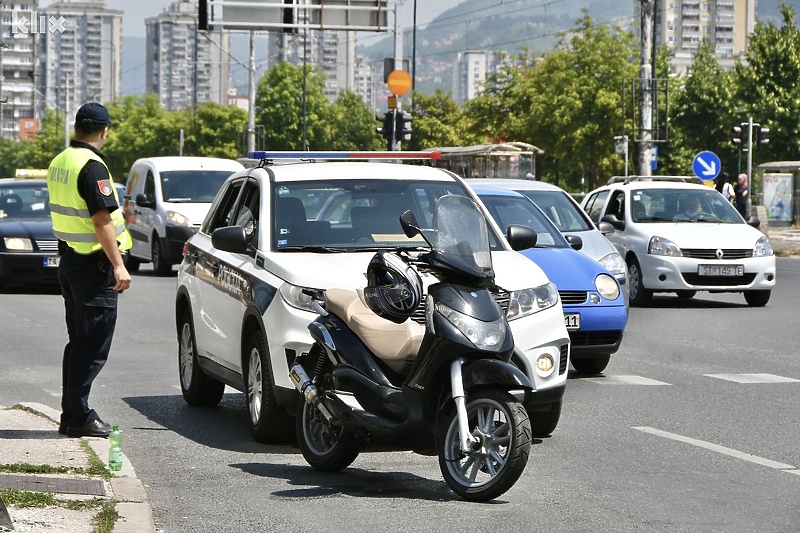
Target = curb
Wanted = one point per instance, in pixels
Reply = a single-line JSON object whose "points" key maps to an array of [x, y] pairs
{"points": [[136, 514]]}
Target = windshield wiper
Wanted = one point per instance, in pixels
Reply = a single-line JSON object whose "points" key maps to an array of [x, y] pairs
{"points": [[311, 248]]}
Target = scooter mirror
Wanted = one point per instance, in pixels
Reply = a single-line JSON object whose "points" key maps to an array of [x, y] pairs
{"points": [[409, 223]]}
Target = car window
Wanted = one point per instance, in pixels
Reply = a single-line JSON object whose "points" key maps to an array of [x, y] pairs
{"points": [[676, 205], [150, 187], [222, 214], [25, 201], [507, 210], [616, 205], [357, 214], [594, 205], [192, 186], [561, 210], [248, 212]]}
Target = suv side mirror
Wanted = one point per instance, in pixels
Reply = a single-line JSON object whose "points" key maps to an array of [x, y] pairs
{"points": [[614, 221], [605, 228], [230, 239], [575, 242], [521, 237], [142, 201]]}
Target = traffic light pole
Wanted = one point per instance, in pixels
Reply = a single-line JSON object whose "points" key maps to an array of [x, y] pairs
{"points": [[749, 167]]}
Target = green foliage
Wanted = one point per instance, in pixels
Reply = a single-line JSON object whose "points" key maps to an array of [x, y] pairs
{"points": [[439, 121], [215, 130], [352, 125]]}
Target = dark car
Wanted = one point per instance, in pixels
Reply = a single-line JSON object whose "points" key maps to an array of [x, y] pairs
{"points": [[28, 248]]}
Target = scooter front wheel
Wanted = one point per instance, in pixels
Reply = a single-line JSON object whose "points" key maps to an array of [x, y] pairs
{"points": [[501, 425], [326, 448]]}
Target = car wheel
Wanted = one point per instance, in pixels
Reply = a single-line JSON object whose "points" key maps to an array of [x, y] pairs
{"points": [[544, 422], [757, 298], [269, 422], [686, 294], [198, 389], [161, 266], [638, 295], [595, 365], [131, 263]]}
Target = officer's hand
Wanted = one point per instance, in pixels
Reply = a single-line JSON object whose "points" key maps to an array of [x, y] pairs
{"points": [[123, 278]]}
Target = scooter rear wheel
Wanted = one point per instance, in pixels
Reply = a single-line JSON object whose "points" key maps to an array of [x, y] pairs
{"points": [[501, 424], [325, 447]]}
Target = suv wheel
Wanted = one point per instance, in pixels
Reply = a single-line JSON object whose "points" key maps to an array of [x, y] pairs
{"points": [[638, 295], [543, 423], [595, 365], [757, 298], [161, 266], [269, 422], [198, 389], [686, 294]]}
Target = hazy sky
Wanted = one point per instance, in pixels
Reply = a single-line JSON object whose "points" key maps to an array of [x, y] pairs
{"points": [[136, 11]]}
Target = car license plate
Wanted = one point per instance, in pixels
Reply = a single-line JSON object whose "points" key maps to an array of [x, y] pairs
{"points": [[572, 320], [720, 270], [51, 261]]}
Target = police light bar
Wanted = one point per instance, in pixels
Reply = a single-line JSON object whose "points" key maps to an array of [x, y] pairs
{"points": [[260, 154]]}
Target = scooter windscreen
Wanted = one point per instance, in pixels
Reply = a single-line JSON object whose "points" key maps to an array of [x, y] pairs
{"points": [[461, 237]]}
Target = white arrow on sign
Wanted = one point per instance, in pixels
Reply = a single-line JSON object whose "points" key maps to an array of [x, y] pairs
{"points": [[710, 170]]}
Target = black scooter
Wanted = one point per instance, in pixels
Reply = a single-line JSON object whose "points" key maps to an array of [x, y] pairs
{"points": [[451, 396]]}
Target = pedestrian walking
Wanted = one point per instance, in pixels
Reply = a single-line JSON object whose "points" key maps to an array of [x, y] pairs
{"points": [[91, 233], [742, 192], [723, 185]]}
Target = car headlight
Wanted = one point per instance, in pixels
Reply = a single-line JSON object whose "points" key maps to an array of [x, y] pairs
{"points": [[529, 301], [488, 336], [607, 286], [613, 263], [661, 246], [177, 219], [293, 295], [18, 244], [763, 247]]}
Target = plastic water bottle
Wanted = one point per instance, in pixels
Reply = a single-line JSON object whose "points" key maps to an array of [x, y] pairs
{"points": [[115, 451]]}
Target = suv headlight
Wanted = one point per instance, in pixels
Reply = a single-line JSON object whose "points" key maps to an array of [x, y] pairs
{"points": [[661, 246], [763, 247], [177, 219], [529, 301], [488, 336], [293, 295], [607, 286], [613, 263], [20, 244]]}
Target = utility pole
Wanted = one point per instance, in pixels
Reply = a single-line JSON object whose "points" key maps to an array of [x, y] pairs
{"points": [[749, 167], [251, 97], [646, 75]]}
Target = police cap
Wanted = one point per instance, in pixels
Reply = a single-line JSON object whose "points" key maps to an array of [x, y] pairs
{"points": [[92, 116]]}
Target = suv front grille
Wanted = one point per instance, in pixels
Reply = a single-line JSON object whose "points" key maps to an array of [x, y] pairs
{"points": [[693, 278], [711, 253], [572, 297]]}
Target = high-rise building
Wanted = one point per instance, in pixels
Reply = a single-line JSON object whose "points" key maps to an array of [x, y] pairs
{"points": [[469, 73], [682, 26], [364, 84], [185, 67], [18, 68], [79, 55]]}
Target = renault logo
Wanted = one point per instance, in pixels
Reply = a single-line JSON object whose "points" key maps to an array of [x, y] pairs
{"points": [[720, 253]]}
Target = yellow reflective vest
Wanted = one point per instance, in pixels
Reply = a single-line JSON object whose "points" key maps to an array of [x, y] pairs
{"points": [[72, 221]]}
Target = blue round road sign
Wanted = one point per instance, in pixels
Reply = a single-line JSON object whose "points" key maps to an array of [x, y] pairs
{"points": [[706, 165]]}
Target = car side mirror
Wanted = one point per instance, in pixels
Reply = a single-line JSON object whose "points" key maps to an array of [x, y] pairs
{"points": [[575, 242], [605, 228], [754, 221], [521, 237], [142, 201], [614, 221], [230, 239]]}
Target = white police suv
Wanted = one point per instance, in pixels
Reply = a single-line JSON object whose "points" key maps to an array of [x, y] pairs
{"points": [[276, 229]]}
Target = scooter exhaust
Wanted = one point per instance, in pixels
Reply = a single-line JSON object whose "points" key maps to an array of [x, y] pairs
{"points": [[306, 387]]}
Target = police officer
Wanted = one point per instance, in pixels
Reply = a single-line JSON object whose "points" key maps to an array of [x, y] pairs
{"points": [[91, 231]]}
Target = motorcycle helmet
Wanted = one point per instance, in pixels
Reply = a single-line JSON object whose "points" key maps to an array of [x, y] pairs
{"points": [[394, 288]]}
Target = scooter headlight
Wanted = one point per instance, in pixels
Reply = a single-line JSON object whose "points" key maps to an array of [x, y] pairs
{"points": [[528, 301], [487, 336]]}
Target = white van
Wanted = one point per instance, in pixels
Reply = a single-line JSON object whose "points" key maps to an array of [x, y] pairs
{"points": [[166, 200]]}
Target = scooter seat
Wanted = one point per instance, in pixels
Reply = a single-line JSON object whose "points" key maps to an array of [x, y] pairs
{"points": [[387, 340]]}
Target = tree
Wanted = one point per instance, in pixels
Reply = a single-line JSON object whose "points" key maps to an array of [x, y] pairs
{"points": [[769, 84], [352, 125], [439, 121], [279, 105], [216, 130]]}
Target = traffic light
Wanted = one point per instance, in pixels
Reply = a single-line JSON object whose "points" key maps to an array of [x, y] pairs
{"points": [[739, 135], [761, 135], [387, 130], [402, 126]]}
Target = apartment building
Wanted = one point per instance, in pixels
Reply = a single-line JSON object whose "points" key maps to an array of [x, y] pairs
{"points": [[185, 67], [469, 73], [78, 55], [17, 61]]}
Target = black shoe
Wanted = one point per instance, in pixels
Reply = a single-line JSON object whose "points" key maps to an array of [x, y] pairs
{"points": [[62, 430], [95, 428]]}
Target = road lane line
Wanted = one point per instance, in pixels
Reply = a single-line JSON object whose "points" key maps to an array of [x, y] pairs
{"points": [[753, 378], [717, 448], [625, 380]]}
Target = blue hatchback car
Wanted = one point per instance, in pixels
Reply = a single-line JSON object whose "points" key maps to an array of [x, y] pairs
{"points": [[594, 307]]}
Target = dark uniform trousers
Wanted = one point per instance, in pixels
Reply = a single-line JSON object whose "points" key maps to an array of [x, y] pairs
{"points": [[87, 284]]}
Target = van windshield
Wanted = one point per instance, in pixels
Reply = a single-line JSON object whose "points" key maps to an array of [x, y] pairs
{"points": [[193, 186]]}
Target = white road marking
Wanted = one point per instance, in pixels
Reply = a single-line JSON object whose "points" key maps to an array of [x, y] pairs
{"points": [[719, 449], [753, 378], [56, 394], [625, 380]]}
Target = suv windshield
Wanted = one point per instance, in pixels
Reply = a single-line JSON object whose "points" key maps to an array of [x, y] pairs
{"points": [[193, 186], [676, 205], [355, 214], [560, 210]]}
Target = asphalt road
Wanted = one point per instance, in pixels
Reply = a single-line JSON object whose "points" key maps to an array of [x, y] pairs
{"points": [[693, 427]]}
